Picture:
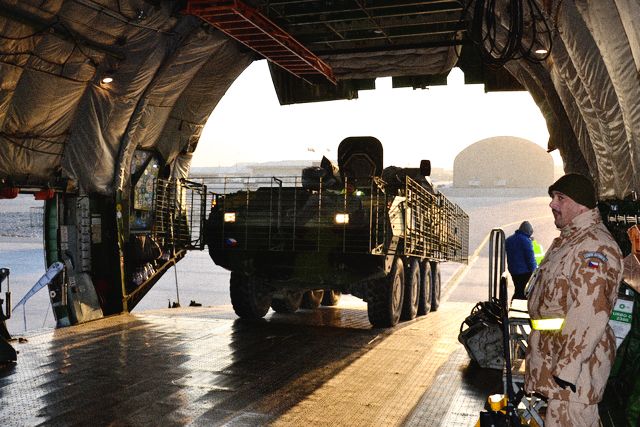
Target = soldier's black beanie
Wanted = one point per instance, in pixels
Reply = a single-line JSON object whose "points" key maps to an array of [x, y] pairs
{"points": [[578, 187]]}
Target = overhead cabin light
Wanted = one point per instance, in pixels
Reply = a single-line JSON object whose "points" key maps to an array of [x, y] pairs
{"points": [[342, 218], [229, 217], [107, 78], [541, 51]]}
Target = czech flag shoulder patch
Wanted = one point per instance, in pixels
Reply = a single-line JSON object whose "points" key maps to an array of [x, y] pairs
{"points": [[595, 259]]}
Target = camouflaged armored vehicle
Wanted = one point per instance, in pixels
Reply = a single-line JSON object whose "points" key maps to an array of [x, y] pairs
{"points": [[299, 242]]}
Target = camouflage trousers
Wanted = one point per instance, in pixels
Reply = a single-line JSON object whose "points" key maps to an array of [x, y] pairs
{"points": [[562, 413]]}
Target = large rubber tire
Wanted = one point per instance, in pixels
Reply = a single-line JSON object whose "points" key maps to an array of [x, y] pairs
{"points": [[290, 303], [436, 287], [384, 302], [331, 298], [411, 290], [249, 297], [312, 299], [424, 303]]}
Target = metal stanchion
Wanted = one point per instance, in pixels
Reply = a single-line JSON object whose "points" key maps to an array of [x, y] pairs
{"points": [[496, 261]]}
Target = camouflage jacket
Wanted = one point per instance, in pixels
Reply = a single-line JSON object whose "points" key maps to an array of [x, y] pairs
{"points": [[578, 281]]}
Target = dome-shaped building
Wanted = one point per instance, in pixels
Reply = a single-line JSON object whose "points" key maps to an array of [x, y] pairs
{"points": [[503, 161]]}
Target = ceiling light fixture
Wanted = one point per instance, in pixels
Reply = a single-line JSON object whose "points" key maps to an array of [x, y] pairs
{"points": [[106, 80], [541, 51]]}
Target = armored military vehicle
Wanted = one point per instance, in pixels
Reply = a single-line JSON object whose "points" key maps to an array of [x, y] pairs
{"points": [[299, 242]]}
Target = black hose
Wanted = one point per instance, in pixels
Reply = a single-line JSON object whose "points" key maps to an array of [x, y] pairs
{"points": [[498, 28]]}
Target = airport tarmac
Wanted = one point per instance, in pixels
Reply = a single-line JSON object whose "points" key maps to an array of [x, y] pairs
{"points": [[203, 366]]}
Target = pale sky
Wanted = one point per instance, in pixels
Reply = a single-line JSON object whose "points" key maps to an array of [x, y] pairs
{"points": [[249, 125]]}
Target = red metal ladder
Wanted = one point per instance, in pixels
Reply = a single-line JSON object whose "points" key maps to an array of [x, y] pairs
{"points": [[245, 24]]}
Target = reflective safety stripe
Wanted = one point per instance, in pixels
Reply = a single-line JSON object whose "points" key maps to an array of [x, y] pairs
{"points": [[547, 324], [538, 251]]}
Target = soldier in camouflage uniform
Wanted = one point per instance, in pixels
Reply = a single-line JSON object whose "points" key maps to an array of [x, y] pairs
{"points": [[571, 346]]}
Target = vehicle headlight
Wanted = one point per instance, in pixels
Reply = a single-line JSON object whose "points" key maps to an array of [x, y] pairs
{"points": [[342, 218], [229, 217]]}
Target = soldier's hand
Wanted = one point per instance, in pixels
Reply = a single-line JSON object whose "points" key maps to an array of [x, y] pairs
{"points": [[564, 384]]}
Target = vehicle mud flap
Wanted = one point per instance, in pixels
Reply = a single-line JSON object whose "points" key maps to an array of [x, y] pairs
{"points": [[481, 335]]}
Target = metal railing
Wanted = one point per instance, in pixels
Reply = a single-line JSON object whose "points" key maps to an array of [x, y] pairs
{"points": [[435, 227], [179, 213], [496, 261]]}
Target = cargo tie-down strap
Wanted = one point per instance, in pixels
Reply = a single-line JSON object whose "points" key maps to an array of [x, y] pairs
{"points": [[547, 324]]}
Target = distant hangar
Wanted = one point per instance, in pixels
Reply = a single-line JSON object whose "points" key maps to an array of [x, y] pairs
{"points": [[503, 161]]}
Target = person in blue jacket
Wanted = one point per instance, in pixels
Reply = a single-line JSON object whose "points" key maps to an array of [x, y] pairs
{"points": [[521, 260]]}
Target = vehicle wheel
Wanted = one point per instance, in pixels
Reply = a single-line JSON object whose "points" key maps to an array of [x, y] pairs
{"points": [[312, 299], [424, 305], [411, 290], [249, 297], [384, 302], [331, 298], [287, 304], [435, 286]]}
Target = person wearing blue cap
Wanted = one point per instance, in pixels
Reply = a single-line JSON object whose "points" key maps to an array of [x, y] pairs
{"points": [[521, 260]]}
